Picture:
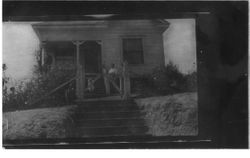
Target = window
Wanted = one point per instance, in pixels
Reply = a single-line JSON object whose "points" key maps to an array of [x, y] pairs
{"points": [[132, 50]]}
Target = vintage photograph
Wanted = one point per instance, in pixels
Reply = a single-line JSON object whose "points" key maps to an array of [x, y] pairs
{"points": [[115, 75], [99, 78]]}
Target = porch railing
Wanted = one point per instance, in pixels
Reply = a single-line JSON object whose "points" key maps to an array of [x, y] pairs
{"points": [[53, 91], [123, 88]]}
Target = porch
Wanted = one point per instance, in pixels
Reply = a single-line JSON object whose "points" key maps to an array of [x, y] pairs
{"points": [[91, 78]]}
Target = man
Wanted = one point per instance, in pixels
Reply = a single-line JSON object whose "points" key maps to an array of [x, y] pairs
{"points": [[113, 71]]}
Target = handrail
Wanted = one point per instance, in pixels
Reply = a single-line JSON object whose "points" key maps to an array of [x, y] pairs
{"points": [[74, 78], [54, 90], [97, 77], [109, 79], [114, 84]]}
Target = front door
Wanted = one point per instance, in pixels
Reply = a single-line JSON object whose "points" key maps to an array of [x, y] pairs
{"points": [[90, 56]]}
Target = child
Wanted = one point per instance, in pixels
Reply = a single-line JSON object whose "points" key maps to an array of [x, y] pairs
{"points": [[91, 86]]}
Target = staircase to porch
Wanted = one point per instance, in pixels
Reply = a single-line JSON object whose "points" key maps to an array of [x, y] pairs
{"points": [[109, 118]]}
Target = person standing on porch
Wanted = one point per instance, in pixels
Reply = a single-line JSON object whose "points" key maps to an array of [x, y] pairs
{"points": [[113, 71]]}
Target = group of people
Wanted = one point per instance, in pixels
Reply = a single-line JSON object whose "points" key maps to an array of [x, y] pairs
{"points": [[112, 72]]}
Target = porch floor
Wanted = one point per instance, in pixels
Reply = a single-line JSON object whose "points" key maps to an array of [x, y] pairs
{"points": [[107, 98]]}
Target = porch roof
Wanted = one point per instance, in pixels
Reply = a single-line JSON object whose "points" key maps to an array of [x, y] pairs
{"points": [[96, 23], [44, 27]]}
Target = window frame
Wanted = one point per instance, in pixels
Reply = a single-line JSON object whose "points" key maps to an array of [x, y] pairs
{"points": [[142, 37]]}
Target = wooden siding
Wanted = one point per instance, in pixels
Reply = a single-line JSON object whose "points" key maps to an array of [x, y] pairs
{"points": [[111, 40]]}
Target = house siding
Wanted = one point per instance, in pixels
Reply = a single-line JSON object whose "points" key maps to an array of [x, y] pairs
{"points": [[111, 40]]}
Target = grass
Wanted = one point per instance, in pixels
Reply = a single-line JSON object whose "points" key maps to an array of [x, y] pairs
{"points": [[172, 115], [38, 123]]}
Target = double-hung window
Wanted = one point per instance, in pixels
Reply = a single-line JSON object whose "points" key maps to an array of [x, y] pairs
{"points": [[133, 50]]}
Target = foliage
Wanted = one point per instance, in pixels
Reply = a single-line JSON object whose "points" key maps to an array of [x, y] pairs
{"points": [[143, 84], [39, 123], [168, 78], [43, 83], [191, 82], [26, 93], [165, 80], [173, 115]]}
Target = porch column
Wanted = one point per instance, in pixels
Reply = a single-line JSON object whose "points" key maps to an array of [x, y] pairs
{"points": [[42, 56], [106, 81], [80, 73]]}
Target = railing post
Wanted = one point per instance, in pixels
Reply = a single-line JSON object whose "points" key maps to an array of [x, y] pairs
{"points": [[81, 82], [42, 45], [106, 81], [77, 82], [80, 75], [120, 83], [42, 57], [126, 81]]}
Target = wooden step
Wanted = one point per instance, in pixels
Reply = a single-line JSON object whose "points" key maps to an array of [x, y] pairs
{"points": [[108, 115], [103, 109], [112, 131], [109, 122], [106, 103], [109, 118]]}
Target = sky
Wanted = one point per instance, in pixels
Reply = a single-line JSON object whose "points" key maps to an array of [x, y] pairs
{"points": [[20, 43], [180, 44]]}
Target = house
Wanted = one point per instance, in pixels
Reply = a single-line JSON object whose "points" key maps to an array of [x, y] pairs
{"points": [[90, 46]]}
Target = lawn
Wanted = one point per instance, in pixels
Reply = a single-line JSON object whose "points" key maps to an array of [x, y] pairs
{"points": [[38, 123], [171, 115]]}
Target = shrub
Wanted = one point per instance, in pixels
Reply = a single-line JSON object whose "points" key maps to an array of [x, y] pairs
{"points": [[173, 115], [165, 80], [25, 94], [169, 79], [191, 81], [44, 83]]}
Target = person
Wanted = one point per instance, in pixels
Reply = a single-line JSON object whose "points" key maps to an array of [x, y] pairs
{"points": [[91, 86], [113, 71]]}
